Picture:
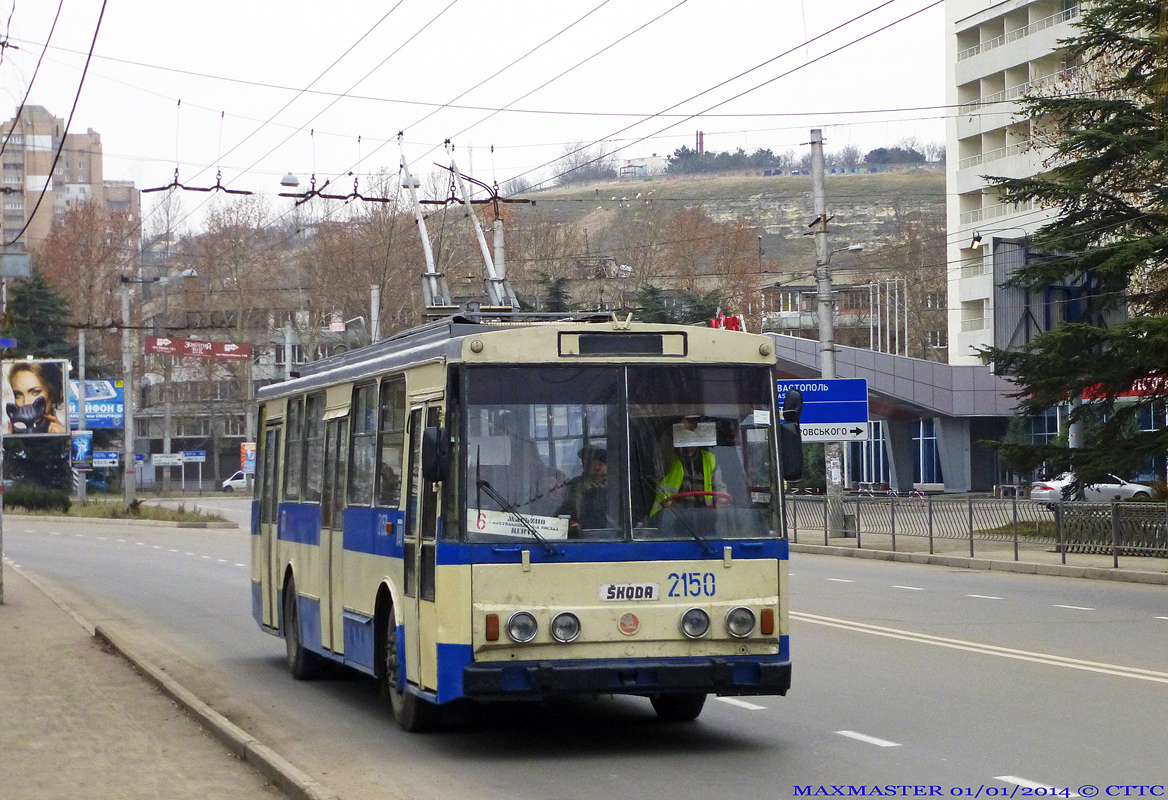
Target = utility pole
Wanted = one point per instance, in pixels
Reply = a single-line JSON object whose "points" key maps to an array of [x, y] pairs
{"points": [[832, 451], [129, 466], [83, 476]]}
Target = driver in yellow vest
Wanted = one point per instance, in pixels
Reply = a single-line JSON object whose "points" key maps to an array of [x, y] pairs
{"points": [[693, 468]]}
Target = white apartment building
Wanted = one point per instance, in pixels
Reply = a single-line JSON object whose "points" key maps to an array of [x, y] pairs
{"points": [[995, 53]]}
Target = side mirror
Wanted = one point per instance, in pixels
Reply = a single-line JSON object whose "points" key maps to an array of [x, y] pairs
{"points": [[792, 406], [435, 454], [791, 450]]}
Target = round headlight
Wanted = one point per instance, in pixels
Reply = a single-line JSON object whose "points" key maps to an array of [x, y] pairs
{"points": [[565, 627], [739, 622], [695, 623], [522, 627]]}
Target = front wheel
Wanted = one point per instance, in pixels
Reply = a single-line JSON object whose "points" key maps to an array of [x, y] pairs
{"points": [[678, 707], [1140, 496], [414, 714]]}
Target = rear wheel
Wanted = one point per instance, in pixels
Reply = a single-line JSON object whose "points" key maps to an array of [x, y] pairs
{"points": [[678, 707], [302, 663], [414, 714]]}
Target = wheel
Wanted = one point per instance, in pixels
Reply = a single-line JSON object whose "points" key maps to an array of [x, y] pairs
{"points": [[678, 707], [414, 714], [303, 664], [1140, 496], [667, 501], [229, 489]]}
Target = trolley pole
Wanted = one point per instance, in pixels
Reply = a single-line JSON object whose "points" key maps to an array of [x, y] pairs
{"points": [[832, 451]]}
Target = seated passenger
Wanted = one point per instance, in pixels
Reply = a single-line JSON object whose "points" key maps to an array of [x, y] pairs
{"points": [[586, 495]]}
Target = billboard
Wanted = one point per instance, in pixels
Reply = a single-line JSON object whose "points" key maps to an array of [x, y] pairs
{"points": [[197, 348], [34, 398], [247, 456], [82, 453], [104, 404]]}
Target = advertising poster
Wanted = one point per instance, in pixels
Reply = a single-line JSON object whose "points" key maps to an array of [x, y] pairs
{"points": [[82, 453], [104, 404], [247, 456], [34, 398]]}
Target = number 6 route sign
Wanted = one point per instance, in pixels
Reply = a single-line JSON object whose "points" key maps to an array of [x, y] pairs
{"points": [[834, 410]]}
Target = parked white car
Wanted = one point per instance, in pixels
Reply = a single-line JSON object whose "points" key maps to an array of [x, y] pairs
{"points": [[1114, 489], [236, 483]]}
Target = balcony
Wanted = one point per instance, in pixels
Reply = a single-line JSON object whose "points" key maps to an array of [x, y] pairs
{"points": [[993, 212], [975, 324], [1014, 92], [993, 155], [1019, 33]]}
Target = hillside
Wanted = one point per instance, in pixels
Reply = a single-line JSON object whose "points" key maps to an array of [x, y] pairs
{"points": [[864, 206]]}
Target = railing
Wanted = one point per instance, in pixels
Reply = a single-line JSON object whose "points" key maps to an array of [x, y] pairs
{"points": [[976, 324], [1019, 33], [994, 211], [993, 155], [937, 523], [1014, 92]]}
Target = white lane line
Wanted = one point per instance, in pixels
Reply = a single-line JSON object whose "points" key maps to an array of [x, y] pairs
{"points": [[1161, 617], [188, 554], [986, 649], [241, 565], [206, 557], [155, 547], [840, 580], [171, 550], [910, 588], [122, 541], [1073, 608], [734, 701], [1025, 784], [102, 538], [140, 544], [863, 737], [984, 596]]}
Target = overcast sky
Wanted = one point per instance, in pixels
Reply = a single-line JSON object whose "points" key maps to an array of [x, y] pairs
{"points": [[597, 70]]}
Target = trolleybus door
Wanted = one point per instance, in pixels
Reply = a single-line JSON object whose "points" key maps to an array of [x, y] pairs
{"points": [[332, 539], [421, 537], [266, 541]]}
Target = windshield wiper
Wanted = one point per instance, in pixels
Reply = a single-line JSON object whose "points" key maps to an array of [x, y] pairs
{"points": [[491, 492], [692, 530]]}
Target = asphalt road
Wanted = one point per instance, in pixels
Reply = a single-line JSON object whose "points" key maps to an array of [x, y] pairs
{"points": [[904, 675]]}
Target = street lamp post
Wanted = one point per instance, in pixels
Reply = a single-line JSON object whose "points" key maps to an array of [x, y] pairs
{"points": [[130, 480]]}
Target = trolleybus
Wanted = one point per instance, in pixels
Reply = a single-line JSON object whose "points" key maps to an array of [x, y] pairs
{"points": [[493, 509]]}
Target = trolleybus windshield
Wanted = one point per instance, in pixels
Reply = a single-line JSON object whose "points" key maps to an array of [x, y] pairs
{"points": [[608, 453]]}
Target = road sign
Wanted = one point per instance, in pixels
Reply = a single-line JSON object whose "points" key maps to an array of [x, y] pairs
{"points": [[194, 456], [167, 459], [106, 458], [834, 410]]}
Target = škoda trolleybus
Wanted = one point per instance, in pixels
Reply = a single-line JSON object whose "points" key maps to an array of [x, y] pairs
{"points": [[498, 510]]}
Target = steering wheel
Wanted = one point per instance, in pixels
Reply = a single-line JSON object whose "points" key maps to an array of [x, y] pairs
{"points": [[667, 501]]}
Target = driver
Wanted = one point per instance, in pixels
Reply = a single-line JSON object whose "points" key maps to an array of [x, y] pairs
{"points": [[692, 468]]}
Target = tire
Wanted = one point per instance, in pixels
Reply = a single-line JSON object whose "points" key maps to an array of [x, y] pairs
{"points": [[413, 713], [678, 707], [302, 663], [228, 489], [1140, 496]]}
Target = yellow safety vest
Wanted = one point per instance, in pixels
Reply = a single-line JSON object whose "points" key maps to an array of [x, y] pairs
{"points": [[671, 483]]}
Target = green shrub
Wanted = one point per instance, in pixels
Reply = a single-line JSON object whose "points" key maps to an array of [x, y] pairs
{"points": [[37, 498]]}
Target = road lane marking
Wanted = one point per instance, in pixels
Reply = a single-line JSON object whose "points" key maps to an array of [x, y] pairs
{"points": [[734, 701], [1025, 784], [984, 596], [910, 588], [1161, 617], [840, 580], [986, 649], [1073, 608], [863, 737]]}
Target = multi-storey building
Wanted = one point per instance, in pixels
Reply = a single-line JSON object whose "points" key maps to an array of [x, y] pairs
{"points": [[26, 165], [995, 54]]}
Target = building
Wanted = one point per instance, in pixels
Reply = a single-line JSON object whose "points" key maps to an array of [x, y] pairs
{"points": [[26, 164], [996, 53]]}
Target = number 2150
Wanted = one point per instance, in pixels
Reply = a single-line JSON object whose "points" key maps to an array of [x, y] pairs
{"points": [[692, 584]]}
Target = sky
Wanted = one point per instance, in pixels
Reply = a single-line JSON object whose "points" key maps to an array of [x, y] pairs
{"points": [[255, 89]]}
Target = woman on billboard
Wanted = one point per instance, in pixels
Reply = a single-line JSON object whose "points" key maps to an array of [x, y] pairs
{"points": [[38, 398]]}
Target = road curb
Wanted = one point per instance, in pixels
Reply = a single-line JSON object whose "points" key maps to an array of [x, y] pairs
{"points": [[271, 764], [131, 522], [1028, 567], [265, 760]]}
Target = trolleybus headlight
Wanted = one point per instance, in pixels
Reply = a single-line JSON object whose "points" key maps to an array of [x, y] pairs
{"points": [[522, 627], [739, 622], [695, 623], [565, 627]]}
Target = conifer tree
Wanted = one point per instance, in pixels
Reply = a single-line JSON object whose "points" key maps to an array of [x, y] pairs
{"points": [[1107, 177], [38, 319]]}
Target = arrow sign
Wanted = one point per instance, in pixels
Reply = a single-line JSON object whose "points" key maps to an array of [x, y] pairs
{"points": [[834, 410]]}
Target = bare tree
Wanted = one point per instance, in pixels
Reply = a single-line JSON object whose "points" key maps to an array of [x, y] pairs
{"points": [[851, 156], [581, 163]]}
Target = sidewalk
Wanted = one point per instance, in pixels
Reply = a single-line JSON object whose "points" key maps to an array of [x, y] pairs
{"points": [[76, 720]]}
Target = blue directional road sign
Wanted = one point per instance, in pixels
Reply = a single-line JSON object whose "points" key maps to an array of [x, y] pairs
{"points": [[834, 410]]}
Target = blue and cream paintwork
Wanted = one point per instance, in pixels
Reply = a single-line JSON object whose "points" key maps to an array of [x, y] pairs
{"points": [[339, 574]]}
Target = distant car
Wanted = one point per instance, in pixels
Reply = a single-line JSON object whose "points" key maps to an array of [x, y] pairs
{"points": [[1114, 489], [237, 482]]}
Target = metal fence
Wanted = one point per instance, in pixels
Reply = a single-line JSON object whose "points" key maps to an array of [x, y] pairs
{"points": [[967, 524]]}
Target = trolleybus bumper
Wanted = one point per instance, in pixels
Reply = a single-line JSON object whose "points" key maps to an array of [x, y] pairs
{"points": [[538, 679]]}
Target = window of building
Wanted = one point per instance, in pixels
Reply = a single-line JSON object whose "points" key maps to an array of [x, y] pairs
{"points": [[935, 300], [938, 338]]}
